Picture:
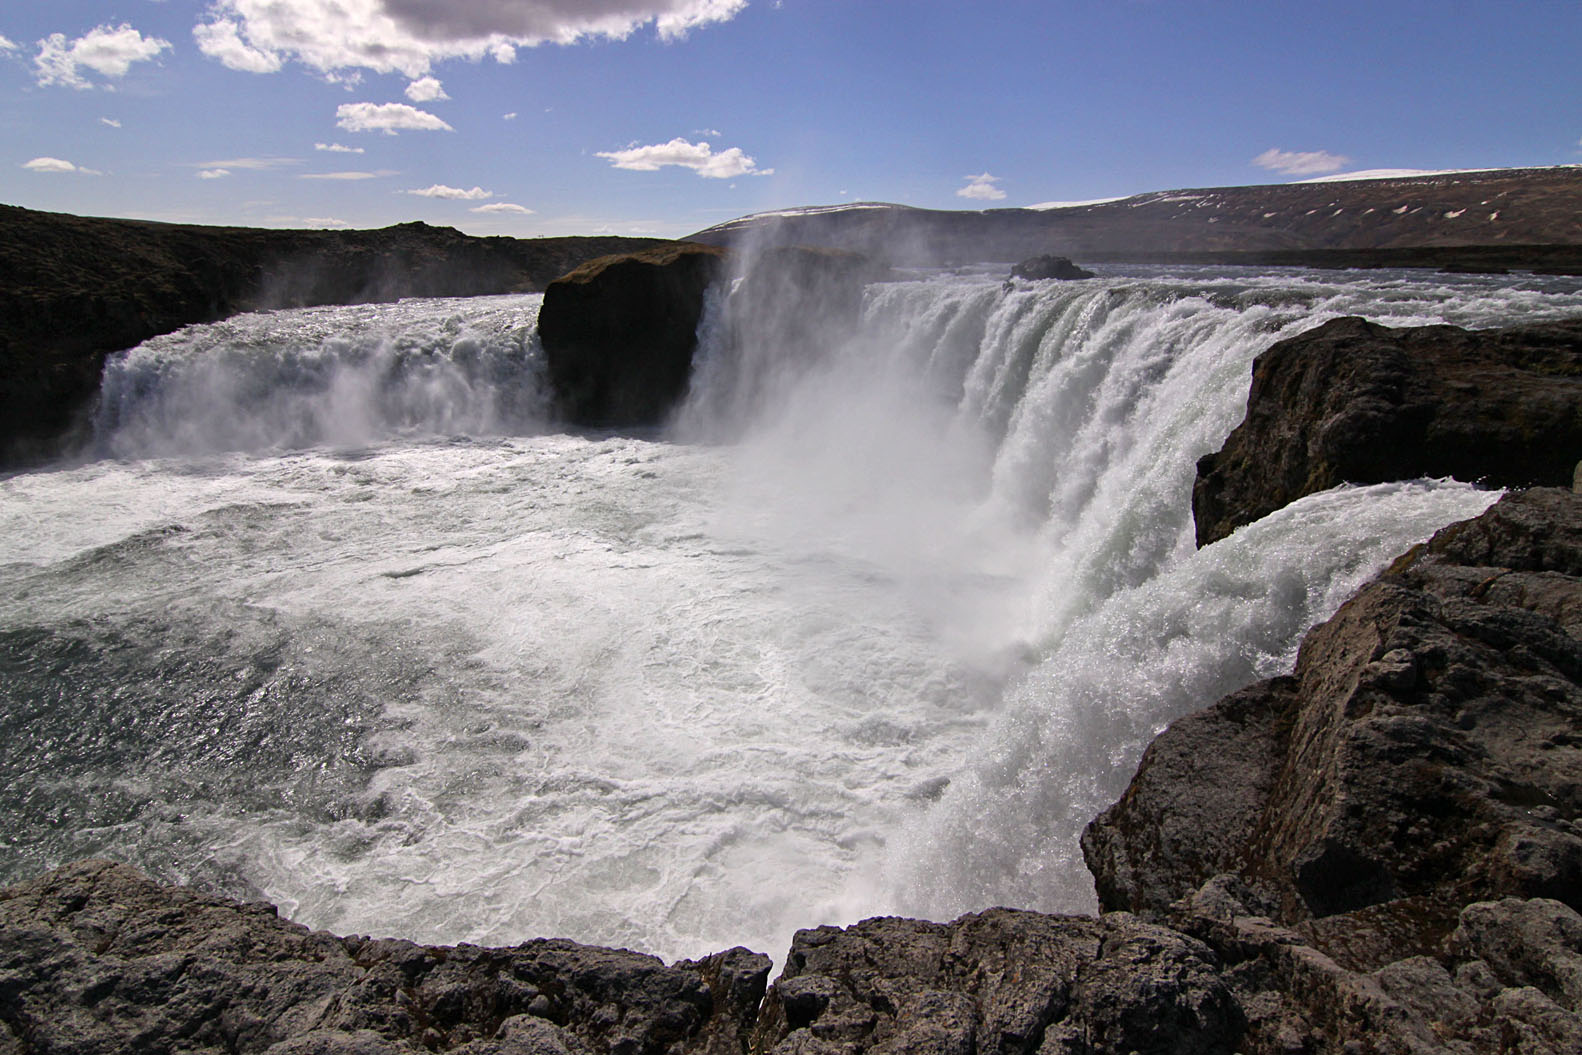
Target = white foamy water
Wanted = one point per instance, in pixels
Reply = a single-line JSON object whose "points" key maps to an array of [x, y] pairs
{"points": [[343, 620]]}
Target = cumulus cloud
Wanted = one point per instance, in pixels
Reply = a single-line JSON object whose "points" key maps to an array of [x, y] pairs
{"points": [[698, 157], [502, 206], [508, 117], [426, 90], [337, 148], [1300, 163], [439, 190], [323, 221], [7, 45], [222, 40], [112, 122], [981, 188], [58, 165], [213, 173], [106, 51], [409, 36], [389, 118]]}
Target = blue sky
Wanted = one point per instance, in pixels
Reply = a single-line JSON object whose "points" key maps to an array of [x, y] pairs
{"points": [[661, 117]]}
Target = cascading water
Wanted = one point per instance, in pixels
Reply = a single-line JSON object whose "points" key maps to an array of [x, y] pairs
{"points": [[345, 623]]}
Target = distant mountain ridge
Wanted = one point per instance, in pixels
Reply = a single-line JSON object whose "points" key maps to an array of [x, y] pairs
{"points": [[1492, 209]]}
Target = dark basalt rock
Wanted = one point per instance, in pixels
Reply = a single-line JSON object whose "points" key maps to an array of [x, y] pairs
{"points": [[619, 333], [1364, 820], [1354, 402], [1049, 267]]}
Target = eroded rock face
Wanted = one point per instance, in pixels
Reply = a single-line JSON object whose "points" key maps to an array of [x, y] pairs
{"points": [[1355, 402], [619, 333], [95, 957], [1393, 834]]}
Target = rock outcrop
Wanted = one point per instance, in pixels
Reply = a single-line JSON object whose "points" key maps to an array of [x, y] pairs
{"points": [[97, 958], [999, 981], [619, 333], [79, 288], [1389, 840], [1355, 402], [1047, 267]]}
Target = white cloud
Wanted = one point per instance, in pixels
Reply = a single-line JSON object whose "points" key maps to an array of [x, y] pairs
{"points": [[213, 173], [347, 175], [337, 148], [439, 190], [112, 122], [7, 45], [252, 164], [58, 165], [323, 221], [222, 40], [106, 51], [1300, 163], [508, 117], [409, 36], [387, 117], [426, 90], [981, 188], [698, 157], [502, 206]]}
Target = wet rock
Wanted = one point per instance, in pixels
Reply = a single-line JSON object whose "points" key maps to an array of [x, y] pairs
{"points": [[1049, 267], [95, 957], [1355, 402], [619, 333]]}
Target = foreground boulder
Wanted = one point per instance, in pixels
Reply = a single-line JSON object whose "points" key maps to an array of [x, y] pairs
{"points": [[1355, 402], [999, 981], [1046, 267], [95, 957]]}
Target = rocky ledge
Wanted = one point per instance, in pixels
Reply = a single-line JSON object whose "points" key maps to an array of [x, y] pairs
{"points": [[1355, 402], [1380, 853]]}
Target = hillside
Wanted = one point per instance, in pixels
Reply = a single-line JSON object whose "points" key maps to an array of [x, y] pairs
{"points": [[1524, 218]]}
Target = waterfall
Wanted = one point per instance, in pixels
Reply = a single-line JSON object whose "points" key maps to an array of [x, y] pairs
{"points": [[343, 376], [882, 619]]}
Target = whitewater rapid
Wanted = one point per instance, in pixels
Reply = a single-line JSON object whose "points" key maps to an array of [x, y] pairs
{"points": [[337, 616]]}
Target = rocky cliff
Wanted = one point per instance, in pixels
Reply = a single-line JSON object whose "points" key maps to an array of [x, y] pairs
{"points": [[1380, 853], [78, 288], [1355, 402]]}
